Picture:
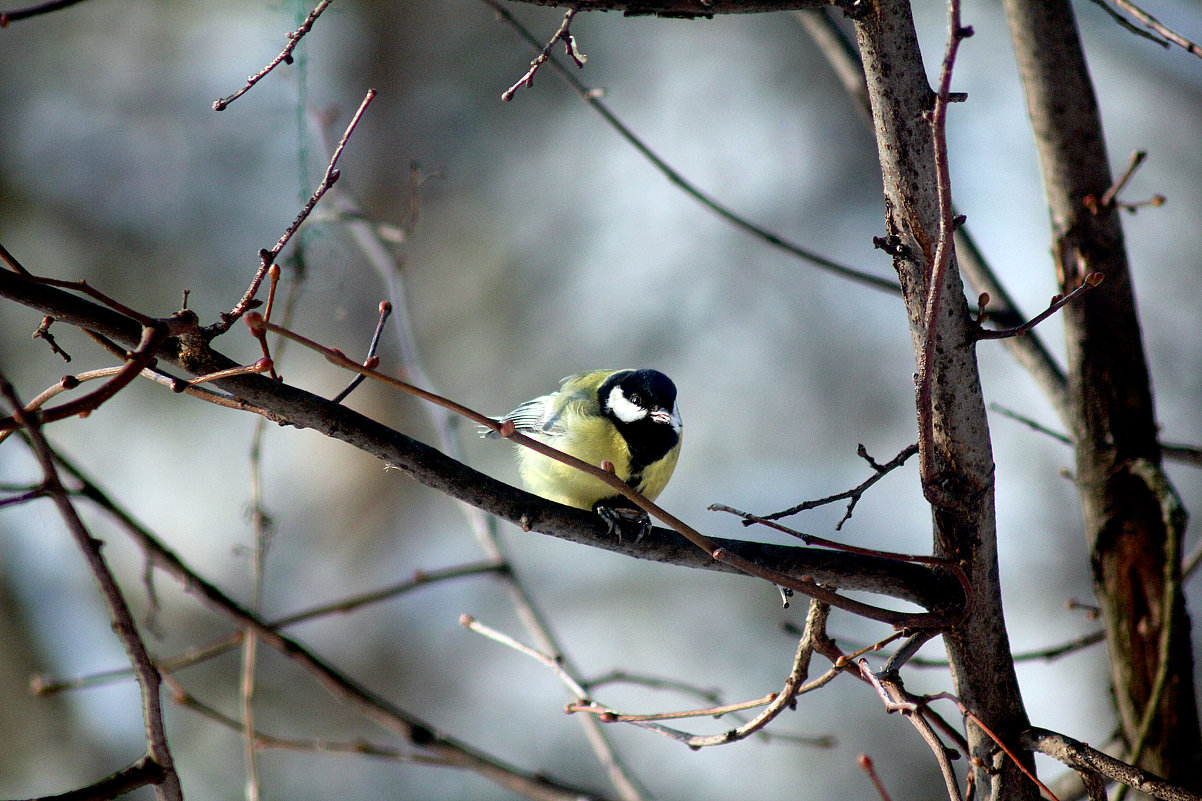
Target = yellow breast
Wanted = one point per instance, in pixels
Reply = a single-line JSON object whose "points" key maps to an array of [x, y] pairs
{"points": [[593, 440]]}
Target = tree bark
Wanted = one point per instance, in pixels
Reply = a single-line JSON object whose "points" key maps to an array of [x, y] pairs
{"points": [[962, 458], [1132, 521]]}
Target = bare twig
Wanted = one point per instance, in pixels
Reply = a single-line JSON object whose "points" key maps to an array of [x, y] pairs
{"points": [[810, 539], [564, 34], [865, 763], [372, 360], [42, 685], [1109, 198], [168, 788], [267, 257], [285, 56], [593, 98], [70, 382], [140, 774], [1177, 452], [896, 699], [142, 357], [43, 332], [774, 703], [852, 495], [264, 741], [1009, 752], [1058, 302], [1159, 27]]}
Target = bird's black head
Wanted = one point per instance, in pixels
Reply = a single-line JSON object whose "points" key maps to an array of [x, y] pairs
{"points": [[642, 404]]}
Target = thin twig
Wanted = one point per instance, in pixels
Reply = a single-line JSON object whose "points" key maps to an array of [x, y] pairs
{"points": [[593, 99], [372, 360], [865, 763], [852, 495], [70, 382], [1130, 26], [42, 685], [1058, 302], [811, 539], [138, 360], [123, 625], [43, 332], [968, 713], [264, 741], [267, 257], [896, 699], [1177, 452], [1158, 26], [774, 703], [564, 34], [285, 56], [1110, 196]]}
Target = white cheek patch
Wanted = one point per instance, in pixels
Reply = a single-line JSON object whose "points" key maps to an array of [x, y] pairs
{"points": [[622, 408]]}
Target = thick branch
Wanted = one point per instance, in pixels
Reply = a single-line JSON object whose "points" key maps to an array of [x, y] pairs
{"points": [[1112, 417], [959, 465], [921, 584]]}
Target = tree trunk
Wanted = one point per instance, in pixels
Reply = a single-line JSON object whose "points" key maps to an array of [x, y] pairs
{"points": [[962, 458], [1132, 521]]}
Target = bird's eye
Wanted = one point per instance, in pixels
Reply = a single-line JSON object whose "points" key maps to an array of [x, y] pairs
{"points": [[636, 399]]}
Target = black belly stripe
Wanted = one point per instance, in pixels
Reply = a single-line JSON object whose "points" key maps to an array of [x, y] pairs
{"points": [[635, 482]]}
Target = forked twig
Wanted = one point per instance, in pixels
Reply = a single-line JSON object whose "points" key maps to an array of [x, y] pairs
{"points": [[157, 748], [852, 495], [593, 99], [773, 703], [564, 34]]}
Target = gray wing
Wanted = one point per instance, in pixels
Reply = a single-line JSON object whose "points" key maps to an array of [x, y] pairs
{"points": [[535, 416]]}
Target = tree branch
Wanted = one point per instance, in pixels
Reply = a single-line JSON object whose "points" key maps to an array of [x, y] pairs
{"points": [[681, 8], [1112, 416], [287, 405]]}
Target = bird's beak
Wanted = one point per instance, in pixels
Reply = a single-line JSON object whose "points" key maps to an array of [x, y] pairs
{"points": [[661, 416]]}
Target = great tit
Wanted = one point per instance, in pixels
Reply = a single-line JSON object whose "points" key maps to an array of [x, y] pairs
{"points": [[628, 418]]}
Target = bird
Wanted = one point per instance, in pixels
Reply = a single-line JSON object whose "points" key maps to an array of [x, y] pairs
{"points": [[627, 418]]}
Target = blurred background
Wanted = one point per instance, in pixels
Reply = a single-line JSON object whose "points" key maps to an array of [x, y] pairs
{"points": [[545, 245]]}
